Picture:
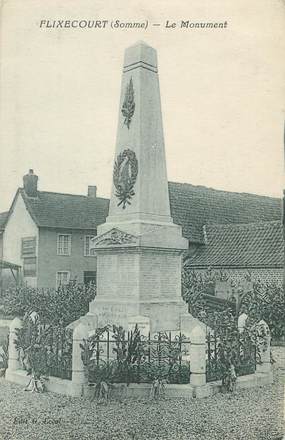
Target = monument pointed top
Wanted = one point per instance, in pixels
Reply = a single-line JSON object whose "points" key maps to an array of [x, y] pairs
{"points": [[140, 186], [140, 43], [140, 52]]}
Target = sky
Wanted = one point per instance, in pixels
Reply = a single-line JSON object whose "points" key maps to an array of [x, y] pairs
{"points": [[222, 92]]}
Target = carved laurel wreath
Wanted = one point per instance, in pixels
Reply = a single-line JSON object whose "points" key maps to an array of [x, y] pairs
{"points": [[128, 108], [125, 186]]}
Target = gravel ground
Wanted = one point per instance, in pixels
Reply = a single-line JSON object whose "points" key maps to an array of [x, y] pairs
{"points": [[254, 414]]}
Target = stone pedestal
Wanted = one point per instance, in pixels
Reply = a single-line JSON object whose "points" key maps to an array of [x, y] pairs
{"points": [[198, 355], [13, 354], [139, 281], [79, 378]]}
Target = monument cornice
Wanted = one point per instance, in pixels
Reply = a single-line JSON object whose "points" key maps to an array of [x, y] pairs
{"points": [[129, 300], [135, 249]]}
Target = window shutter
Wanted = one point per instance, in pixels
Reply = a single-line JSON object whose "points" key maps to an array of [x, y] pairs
{"points": [[28, 247]]}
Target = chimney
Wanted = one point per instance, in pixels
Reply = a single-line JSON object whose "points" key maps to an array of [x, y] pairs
{"points": [[31, 184], [92, 191]]}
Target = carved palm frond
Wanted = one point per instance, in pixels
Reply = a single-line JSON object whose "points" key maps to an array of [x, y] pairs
{"points": [[128, 108]]}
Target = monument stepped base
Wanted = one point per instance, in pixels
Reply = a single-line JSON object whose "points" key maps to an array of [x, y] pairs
{"points": [[186, 391]]}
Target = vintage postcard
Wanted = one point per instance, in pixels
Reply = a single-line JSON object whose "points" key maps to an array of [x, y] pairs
{"points": [[142, 220]]}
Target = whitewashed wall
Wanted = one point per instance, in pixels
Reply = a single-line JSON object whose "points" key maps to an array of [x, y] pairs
{"points": [[20, 225]]}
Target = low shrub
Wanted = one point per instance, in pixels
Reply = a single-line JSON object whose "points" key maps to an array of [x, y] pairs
{"points": [[263, 301], [266, 301], [65, 304]]}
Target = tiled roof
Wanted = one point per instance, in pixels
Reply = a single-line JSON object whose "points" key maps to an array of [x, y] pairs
{"points": [[194, 206], [56, 210], [191, 206], [3, 218], [243, 245]]}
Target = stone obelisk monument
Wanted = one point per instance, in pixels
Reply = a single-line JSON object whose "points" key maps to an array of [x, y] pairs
{"points": [[139, 248]]}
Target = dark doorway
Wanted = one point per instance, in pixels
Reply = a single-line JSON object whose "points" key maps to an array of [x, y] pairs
{"points": [[90, 277]]}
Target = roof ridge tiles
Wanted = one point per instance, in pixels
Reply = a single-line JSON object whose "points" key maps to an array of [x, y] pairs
{"points": [[69, 194], [251, 225], [208, 188]]}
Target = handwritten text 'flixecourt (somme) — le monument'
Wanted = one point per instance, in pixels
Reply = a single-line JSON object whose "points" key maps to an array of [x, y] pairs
{"points": [[129, 24]]}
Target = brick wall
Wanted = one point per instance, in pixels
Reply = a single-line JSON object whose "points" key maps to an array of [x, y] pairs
{"points": [[274, 275]]}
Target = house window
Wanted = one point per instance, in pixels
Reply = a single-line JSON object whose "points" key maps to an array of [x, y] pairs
{"points": [[87, 242], [28, 248], [62, 278], [30, 267], [63, 244]]}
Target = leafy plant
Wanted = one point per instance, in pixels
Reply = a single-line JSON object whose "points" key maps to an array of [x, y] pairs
{"points": [[98, 371], [163, 360], [266, 301], [229, 379], [30, 344], [90, 349], [157, 389], [133, 358], [44, 349], [259, 334], [263, 300], [65, 304], [127, 353], [104, 374], [4, 356]]}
